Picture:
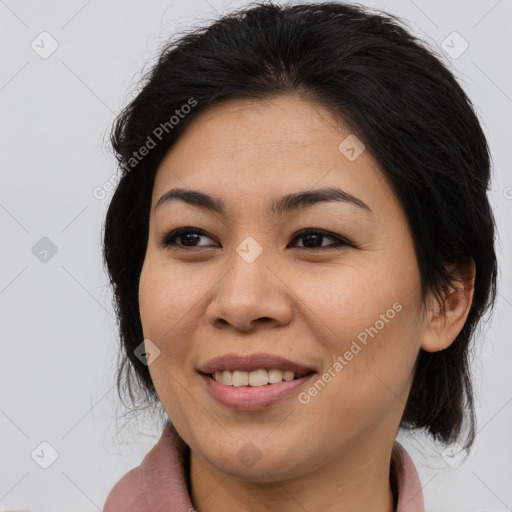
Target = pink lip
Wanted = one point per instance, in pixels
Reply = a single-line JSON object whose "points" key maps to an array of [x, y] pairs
{"points": [[252, 362], [248, 398]]}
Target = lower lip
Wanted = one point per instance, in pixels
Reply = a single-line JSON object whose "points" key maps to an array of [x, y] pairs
{"points": [[249, 398]]}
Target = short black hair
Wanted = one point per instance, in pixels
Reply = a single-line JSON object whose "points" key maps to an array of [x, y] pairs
{"points": [[394, 93]]}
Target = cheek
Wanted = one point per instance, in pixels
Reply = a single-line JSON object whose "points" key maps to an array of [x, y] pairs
{"points": [[369, 376], [163, 311], [163, 306], [367, 326], [166, 300]]}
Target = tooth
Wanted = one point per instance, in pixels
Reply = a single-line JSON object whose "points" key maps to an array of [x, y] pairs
{"points": [[255, 378], [288, 375], [275, 376], [258, 378], [240, 378]]}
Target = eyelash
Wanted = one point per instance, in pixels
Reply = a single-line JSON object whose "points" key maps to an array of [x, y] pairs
{"points": [[167, 239]]}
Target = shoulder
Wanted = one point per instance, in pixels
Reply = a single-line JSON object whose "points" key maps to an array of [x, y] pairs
{"points": [[410, 492], [127, 495], [158, 483]]}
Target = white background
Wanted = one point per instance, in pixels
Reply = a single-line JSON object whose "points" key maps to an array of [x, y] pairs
{"points": [[58, 334]]}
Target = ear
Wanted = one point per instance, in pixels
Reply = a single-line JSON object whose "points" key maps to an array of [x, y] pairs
{"points": [[444, 322]]}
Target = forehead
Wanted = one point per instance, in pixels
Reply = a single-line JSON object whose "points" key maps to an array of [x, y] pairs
{"points": [[248, 124], [247, 148]]}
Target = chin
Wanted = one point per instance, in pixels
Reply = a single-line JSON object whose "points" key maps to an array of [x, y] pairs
{"points": [[252, 464]]}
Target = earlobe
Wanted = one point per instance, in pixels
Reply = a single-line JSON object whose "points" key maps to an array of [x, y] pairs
{"points": [[445, 321]]}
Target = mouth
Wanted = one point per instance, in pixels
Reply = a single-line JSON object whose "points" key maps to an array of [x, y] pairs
{"points": [[254, 382], [256, 378], [252, 398], [253, 369]]}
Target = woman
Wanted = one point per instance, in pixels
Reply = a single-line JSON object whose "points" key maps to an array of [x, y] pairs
{"points": [[300, 248]]}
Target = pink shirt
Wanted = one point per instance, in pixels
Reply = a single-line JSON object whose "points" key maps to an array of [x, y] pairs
{"points": [[159, 483]]}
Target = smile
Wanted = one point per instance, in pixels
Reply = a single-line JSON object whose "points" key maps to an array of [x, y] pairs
{"points": [[249, 397], [255, 378]]}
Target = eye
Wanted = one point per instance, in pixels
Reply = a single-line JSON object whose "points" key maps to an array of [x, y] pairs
{"points": [[313, 237], [188, 237]]}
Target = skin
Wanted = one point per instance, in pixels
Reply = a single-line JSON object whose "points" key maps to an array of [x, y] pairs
{"points": [[205, 300]]}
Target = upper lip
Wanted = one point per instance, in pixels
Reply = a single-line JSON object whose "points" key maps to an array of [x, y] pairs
{"points": [[252, 362]]}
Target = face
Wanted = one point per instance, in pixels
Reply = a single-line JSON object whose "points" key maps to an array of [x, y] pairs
{"points": [[343, 301]]}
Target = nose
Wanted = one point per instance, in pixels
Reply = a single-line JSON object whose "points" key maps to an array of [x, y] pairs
{"points": [[251, 295]]}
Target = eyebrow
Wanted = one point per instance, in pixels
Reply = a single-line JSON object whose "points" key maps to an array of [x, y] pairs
{"points": [[290, 202]]}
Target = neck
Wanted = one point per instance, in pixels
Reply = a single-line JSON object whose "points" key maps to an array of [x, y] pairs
{"points": [[356, 485]]}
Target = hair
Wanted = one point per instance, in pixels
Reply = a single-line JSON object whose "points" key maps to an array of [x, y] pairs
{"points": [[393, 92]]}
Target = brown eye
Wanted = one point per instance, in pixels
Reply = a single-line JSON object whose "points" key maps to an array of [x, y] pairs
{"points": [[313, 240], [187, 237]]}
